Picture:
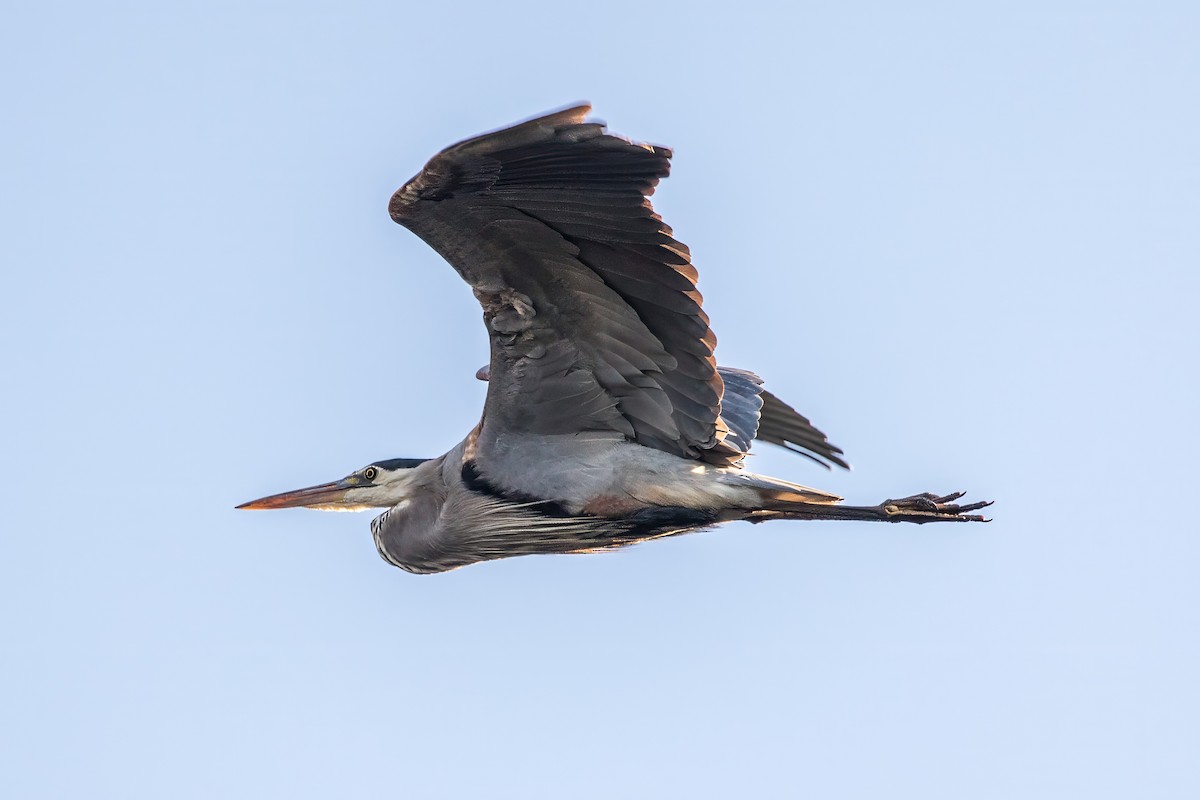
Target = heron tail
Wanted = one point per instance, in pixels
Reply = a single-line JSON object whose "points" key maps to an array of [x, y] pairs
{"points": [[776, 494]]}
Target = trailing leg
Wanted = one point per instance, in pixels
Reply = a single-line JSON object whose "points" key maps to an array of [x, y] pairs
{"points": [[919, 508]]}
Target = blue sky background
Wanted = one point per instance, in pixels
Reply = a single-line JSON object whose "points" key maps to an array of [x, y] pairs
{"points": [[964, 241]]}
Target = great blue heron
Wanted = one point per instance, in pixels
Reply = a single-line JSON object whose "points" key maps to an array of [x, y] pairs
{"points": [[607, 420]]}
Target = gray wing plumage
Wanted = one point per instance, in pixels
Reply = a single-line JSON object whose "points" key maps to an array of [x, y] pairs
{"points": [[751, 412], [740, 406], [781, 424], [590, 303]]}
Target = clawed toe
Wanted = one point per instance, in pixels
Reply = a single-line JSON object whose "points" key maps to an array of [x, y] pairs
{"points": [[928, 507]]}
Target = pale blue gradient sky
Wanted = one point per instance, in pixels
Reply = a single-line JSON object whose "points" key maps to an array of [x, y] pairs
{"points": [[965, 242]]}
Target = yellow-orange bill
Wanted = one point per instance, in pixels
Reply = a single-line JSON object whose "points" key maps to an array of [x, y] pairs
{"points": [[323, 494]]}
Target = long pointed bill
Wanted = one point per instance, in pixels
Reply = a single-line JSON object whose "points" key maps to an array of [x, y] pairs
{"points": [[326, 494]]}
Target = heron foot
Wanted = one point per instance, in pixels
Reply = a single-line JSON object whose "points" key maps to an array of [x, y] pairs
{"points": [[929, 507]]}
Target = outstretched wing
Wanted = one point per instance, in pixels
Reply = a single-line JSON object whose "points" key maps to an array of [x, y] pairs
{"points": [[591, 305]]}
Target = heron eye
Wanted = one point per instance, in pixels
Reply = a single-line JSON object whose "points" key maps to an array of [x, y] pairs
{"points": [[370, 473]]}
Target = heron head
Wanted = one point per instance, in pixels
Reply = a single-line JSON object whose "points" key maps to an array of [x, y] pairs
{"points": [[379, 485]]}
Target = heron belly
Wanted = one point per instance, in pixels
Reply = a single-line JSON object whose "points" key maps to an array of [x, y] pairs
{"points": [[604, 475]]}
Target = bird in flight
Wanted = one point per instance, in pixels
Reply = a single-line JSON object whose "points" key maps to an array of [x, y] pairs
{"points": [[607, 420]]}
